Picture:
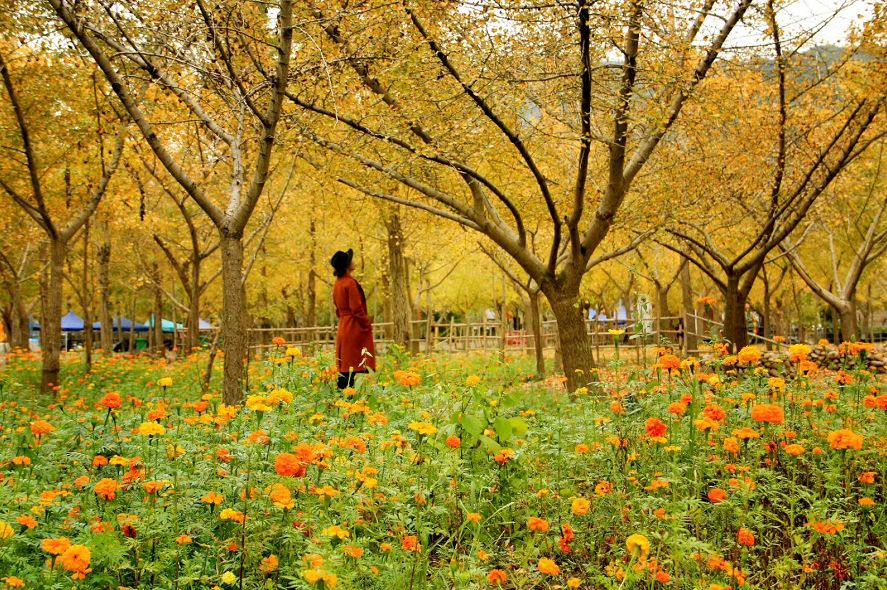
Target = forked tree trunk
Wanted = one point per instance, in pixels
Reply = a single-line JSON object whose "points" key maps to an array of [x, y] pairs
{"points": [[104, 259], [575, 345], [401, 311], [234, 317], [51, 330]]}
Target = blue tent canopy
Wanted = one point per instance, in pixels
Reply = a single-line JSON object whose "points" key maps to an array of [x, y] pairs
{"points": [[167, 326], [621, 314], [204, 325], [123, 324], [71, 322]]}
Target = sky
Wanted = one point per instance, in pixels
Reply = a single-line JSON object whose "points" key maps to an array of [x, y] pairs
{"points": [[798, 16]]}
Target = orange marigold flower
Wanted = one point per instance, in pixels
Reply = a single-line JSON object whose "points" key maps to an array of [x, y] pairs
{"points": [[714, 412], [548, 566], [13, 582], [55, 546], [827, 527], [473, 517], [536, 524], [453, 442], [269, 564], [794, 449], [866, 502], [669, 362], [27, 521], [352, 551], [716, 495], [184, 540], [76, 560], [745, 537], [213, 498], [655, 427], [111, 400], [41, 427], [497, 577], [768, 413], [411, 543], [106, 488], [677, 408], [289, 465], [867, 477], [749, 355], [844, 439]]}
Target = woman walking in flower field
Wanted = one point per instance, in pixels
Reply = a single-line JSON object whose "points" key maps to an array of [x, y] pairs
{"points": [[355, 352]]}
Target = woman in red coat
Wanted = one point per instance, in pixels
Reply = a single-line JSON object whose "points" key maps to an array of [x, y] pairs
{"points": [[355, 352]]}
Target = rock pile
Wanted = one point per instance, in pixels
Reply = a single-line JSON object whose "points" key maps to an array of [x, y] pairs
{"points": [[826, 357]]}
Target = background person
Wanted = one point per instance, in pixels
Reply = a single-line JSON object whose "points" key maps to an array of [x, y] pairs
{"points": [[355, 352]]}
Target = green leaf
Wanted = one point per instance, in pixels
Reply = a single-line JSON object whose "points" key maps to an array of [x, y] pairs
{"points": [[473, 425], [503, 428]]}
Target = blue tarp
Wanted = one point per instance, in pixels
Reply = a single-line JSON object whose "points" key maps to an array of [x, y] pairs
{"points": [[71, 322], [165, 325], [124, 324], [204, 325]]}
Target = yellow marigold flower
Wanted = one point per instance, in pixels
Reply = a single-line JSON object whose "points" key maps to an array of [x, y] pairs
{"points": [[151, 429], [258, 403], [164, 382], [472, 380], [5, 530], [423, 428], [548, 566], [638, 545], [580, 506], [228, 578], [336, 531]]}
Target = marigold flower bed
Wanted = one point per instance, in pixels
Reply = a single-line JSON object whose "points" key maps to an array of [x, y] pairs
{"points": [[443, 473]]}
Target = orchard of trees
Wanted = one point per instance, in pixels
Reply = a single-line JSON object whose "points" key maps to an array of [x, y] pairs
{"points": [[203, 159]]}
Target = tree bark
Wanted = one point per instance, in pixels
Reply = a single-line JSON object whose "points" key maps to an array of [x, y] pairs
{"points": [[401, 311], [735, 329], [575, 345], [234, 317], [87, 301], [311, 315], [103, 254], [15, 316], [849, 323], [158, 311], [690, 337], [51, 329], [535, 321]]}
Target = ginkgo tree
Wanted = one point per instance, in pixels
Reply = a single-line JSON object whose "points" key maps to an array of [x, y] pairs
{"points": [[49, 181], [773, 151], [513, 118], [212, 64]]}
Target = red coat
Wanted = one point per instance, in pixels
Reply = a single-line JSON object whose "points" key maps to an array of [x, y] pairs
{"points": [[355, 328]]}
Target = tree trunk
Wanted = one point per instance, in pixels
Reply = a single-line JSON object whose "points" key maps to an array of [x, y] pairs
{"points": [[690, 335], [765, 319], [107, 335], [311, 315], [662, 307], [158, 311], [51, 329], [735, 329], [15, 316], [535, 321], [575, 345], [24, 324], [87, 301], [849, 324], [194, 316], [400, 293], [234, 315]]}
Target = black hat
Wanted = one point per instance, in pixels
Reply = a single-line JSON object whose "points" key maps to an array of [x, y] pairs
{"points": [[341, 261]]}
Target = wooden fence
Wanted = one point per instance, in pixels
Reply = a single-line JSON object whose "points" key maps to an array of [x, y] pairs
{"points": [[450, 336]]}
